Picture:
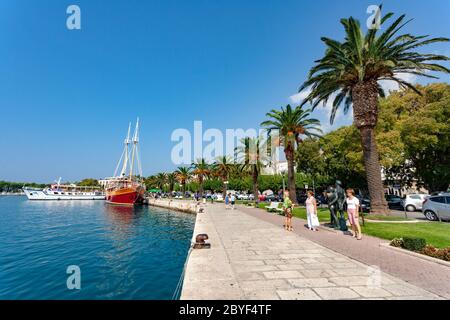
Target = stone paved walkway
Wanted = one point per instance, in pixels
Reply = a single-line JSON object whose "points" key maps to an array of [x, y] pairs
{"points": [[254, 259], [428, 275]]}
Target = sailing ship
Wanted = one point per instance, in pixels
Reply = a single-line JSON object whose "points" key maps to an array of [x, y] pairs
{"points": [[127, 186], [58, 191]]}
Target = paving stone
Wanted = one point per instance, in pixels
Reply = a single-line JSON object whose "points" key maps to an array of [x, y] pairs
{"points": [[287, 274], [265, 284], [336, 293], [317, 273], [290, 267], [311, 282], [249, 262], [371, 292], [262, 268], [405, 290], [298, 294], [266, 294]]}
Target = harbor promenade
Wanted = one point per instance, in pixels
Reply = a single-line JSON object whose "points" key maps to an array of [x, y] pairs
{"points": [[251, 258]]}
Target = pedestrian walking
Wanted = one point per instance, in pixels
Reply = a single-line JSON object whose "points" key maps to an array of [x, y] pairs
{"points": [[352, 212]]}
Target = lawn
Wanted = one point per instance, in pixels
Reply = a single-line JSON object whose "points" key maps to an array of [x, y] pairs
{"points": [[299, 212], [435, 233], [386, 218]]}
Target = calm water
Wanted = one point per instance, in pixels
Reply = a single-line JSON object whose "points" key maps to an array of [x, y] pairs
{"points": [[123, 253]]}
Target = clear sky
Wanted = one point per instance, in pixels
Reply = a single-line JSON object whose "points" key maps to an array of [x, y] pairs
{"points": [[66, 96]]}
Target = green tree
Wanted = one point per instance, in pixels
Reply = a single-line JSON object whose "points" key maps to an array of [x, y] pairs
{"points": [[292, 125], [183, 175], [426, 136], [350, 70], [201, 169], [171, 180], [161, 180], [222, 169], [89, 182], [252, 154]]}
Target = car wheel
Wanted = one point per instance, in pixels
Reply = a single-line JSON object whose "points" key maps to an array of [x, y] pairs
{"points": [[430, 215], [410, 208]]}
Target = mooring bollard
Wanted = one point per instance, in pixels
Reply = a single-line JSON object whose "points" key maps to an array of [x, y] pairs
{"points": [[200, 241]]}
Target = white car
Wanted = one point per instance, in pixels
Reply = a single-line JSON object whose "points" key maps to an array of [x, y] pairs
{"points": [[413, 202], [242, 196]]}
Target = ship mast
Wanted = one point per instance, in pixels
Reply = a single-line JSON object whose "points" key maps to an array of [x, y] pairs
{"points": [[135, 150], [125, 155]]}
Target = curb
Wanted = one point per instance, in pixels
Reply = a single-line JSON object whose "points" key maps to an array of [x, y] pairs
{"points": [[395, 221], [415, 254]]}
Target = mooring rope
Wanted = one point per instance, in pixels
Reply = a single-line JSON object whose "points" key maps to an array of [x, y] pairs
{"points": [[177, 291]]}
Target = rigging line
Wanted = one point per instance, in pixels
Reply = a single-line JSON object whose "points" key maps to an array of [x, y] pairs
{"points": [[118, 164]]}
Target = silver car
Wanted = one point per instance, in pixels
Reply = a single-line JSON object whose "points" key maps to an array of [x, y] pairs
{"points": [[413, 202], [435, 207]]}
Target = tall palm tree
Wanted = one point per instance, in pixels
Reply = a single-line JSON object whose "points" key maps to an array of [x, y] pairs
{"points": [[202, 170], [252, 159], [292, 125], [183, 175], [350, 72], [222, 169]]}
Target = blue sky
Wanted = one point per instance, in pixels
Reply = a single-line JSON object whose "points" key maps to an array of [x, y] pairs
{"points": [[66, 96]]}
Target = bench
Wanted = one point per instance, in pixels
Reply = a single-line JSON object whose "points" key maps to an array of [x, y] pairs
{"points": [[274, 207]]}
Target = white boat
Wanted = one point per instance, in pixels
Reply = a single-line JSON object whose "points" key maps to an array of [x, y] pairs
{"points": [[64, 192]]}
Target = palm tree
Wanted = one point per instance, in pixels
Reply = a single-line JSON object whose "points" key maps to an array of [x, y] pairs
{"points": [[161, 180], [222, 169], [183, 175], [350, 72], [202, 170], [292, 124], [171, 180], [252, 152]]}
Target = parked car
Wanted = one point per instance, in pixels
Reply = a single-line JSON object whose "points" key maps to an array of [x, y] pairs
{"points": [[364, 203], [242, 196], [413, 202], [435, 207], [271, 197], [394, 201]]}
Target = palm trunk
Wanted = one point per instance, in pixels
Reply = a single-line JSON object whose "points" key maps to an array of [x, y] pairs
{"points": [[255, 175], [291, 175], [365, 110], [224, 190], [378, 202], [200, 180]]}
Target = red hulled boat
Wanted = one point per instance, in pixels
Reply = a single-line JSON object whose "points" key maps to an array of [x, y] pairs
{"points": [[127, 188]]}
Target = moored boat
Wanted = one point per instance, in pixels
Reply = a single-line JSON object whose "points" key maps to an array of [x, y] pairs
{"points": [[59, 191], [127, 187]]}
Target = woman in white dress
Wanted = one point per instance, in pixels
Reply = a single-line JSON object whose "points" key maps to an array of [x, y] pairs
{"points": [[311, 212]]}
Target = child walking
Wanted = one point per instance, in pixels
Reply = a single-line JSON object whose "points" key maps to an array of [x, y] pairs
{"points": [[287, 206], [352, 212]]}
